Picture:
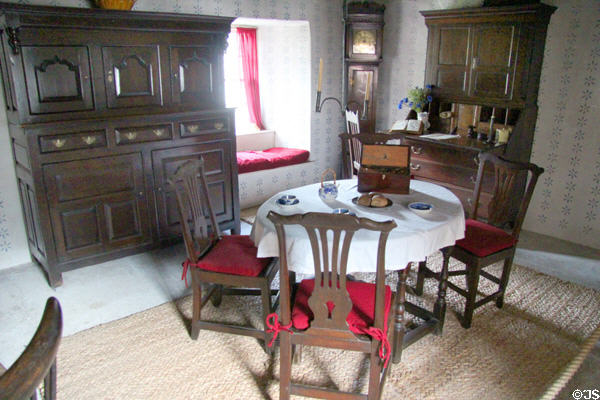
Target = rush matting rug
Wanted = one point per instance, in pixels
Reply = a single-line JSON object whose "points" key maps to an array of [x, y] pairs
{"points": [[509, 353]]}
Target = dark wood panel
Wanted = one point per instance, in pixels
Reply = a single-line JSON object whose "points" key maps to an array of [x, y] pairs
{"points": [[58, 78], [132, 76], [72, 141], [195, 73], [205, 126], [140, 134]]}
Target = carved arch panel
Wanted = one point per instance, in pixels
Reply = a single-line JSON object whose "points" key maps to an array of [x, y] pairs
{"points": [[195, 73], [132, 76], [57, 78]]}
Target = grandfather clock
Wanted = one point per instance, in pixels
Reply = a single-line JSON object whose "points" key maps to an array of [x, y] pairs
{"points": [[364, 38]]}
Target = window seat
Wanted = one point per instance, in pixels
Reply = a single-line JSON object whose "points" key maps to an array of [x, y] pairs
{"points": [[275, 157]]}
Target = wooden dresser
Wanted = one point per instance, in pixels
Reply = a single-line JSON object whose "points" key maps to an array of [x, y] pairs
{"points": [[102, 107], [480, 61]]}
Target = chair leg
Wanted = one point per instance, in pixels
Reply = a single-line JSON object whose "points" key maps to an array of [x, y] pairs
{"points": [[472, 285], [285, 365], [420, 278], [375, 374], [265, 294], [297, 354], [196, 307], [50, 383], [217, 296], [504, 280], [399, 323], [439, 308]]}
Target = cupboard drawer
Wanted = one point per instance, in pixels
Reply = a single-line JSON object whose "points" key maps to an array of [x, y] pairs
{"points": [[204, 126], [140, 134], [72, 141], [460, 158]]}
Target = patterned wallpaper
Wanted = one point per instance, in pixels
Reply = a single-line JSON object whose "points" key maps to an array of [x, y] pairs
{"points": [[566, 202]]}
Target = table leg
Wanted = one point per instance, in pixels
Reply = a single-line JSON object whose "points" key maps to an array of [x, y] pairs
{"points": [[399, 322], [439, 309]]}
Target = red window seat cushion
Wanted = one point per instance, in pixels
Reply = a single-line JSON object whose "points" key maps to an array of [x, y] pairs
{"points": [[482, 239], [234, 254], [250, 161], [361, 316]]}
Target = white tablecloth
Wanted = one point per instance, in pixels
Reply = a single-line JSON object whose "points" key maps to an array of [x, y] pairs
{"points": [[415, 238]]}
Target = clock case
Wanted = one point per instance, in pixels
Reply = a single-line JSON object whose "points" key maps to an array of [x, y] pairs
{"points": [[384, 169]]}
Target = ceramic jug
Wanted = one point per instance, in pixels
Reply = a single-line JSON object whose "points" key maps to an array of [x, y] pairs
{"points": [[328, 191]]}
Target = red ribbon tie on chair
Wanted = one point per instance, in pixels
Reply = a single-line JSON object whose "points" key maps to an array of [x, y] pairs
{"points": [[385, 349], [186, 265], [276, 327]]}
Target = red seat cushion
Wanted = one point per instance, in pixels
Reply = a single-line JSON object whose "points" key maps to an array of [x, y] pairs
{"points": [[234, 254], [483, 239], [250, 161], [361, 316]]}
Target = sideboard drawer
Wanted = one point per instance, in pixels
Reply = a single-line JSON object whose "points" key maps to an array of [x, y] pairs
{"points": [[72, 141], [204, 126], [140, 134]]}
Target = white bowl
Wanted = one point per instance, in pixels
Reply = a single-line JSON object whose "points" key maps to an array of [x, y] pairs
{"points": [[420, 208]]}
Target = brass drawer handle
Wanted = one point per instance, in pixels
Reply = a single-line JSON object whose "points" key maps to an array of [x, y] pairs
{"points": [[472, 179], [192, 128], [470, 202], [131, 135], [159, 132], [416, 149], [59, 142], [416, 167], [89, 140], [476, 160], [219, 125]]}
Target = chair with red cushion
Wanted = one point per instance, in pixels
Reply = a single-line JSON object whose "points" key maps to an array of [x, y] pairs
{"points": [[329, 310], [218, 260], [487, 242]]}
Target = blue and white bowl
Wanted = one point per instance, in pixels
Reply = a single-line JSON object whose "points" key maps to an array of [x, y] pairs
{"points": [[420, 208], [287, 200]]}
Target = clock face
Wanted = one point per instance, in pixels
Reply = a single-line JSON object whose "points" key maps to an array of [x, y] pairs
{"points": [[364, 41]]}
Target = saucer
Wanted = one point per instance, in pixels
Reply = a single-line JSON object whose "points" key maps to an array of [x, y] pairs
{"points": [[420, 208], [286, 203]]}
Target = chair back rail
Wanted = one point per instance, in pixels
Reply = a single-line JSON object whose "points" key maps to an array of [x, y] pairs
{"points": [[330, 266], [506, 177], [191, 192], [37, 360]]}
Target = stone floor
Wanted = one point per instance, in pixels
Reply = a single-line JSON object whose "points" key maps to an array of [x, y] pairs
{"points": [[105, 292]]}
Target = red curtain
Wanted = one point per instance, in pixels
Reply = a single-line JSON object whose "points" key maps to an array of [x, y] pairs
{"points": [[247, 39]]}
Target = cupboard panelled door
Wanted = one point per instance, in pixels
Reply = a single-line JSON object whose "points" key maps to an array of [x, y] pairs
{"points": [[132, 76], [194, 74], [97, 205], [58, 78], [217, 164], [494, 60], [451, 66]]}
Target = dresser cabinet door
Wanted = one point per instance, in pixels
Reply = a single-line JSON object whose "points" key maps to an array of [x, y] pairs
{"points": [[196, 76], [132, 76], [217, 163], [494, 60], [57, 78], [97, 205], [450, 59]]}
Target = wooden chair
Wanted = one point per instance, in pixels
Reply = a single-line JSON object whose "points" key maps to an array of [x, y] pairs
{"points": [[352, 146], [486, 243], [329, 310], [218, 260], [37, 363], [352, 152]]}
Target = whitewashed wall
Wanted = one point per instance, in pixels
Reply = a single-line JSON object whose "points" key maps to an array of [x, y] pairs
{"points": [[566, 203], [326, 30]]}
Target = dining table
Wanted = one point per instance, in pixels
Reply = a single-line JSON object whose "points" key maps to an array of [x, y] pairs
{"points": [[417, 235]]}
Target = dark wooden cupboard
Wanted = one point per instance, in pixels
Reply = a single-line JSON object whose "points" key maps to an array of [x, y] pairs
{"points": [[102, 107], [490, 57]]}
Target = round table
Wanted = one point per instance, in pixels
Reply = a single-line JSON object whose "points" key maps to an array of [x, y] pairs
{"points": [[415, 237]]}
